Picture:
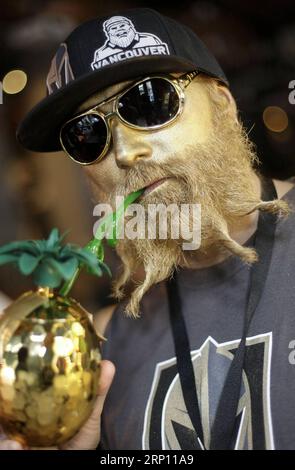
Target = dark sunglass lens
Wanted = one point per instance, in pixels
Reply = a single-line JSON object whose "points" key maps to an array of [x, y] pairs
{"points": [[85, 137], [151, 103]]}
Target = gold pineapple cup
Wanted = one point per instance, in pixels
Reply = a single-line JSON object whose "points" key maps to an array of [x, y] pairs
{"points": [[49, 370]]}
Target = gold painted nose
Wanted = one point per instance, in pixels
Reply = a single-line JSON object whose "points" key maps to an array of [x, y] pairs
{"points": [[129, 146]]}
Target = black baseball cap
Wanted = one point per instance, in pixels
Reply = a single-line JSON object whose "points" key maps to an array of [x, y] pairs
{"points": [[104, 51]]}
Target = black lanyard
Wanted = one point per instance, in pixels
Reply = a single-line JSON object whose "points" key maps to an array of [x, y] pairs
{"points": [[223, 426]]}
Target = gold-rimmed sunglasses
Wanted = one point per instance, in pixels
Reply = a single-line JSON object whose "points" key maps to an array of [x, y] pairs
{"points": [[148, 104]]}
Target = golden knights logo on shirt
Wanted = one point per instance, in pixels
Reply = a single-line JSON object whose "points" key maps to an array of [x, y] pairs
{"points": [[124, 42], [167, 424]]}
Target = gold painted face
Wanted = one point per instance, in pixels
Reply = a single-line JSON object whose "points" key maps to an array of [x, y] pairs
{"points": [[208, 159], [134, 148]]}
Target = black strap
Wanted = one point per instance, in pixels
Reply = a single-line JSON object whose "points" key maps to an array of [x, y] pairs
{"points": [[223, 426], [184, 363]]}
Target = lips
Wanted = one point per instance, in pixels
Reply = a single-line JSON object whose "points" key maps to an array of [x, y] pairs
{"points": [[154, 185]]}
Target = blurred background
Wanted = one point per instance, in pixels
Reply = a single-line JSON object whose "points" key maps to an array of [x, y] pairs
{"points": [[253, 41]]}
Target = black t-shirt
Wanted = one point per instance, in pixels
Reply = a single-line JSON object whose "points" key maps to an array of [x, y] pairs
{"points": [[145, 409]]}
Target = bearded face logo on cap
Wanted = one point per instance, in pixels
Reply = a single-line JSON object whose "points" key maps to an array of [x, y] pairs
{"points": [[124, 42], [120, 31]]}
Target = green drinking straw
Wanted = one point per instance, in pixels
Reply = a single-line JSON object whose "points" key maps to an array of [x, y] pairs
{"points": [[108, 227]]}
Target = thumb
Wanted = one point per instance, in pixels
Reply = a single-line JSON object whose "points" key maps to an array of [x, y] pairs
{"points": [[105, 381], [88, 436]]}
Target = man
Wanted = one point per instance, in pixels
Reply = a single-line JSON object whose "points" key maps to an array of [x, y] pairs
{"points": [[204, 365]]}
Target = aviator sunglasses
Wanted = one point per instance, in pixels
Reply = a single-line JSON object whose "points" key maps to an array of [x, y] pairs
{"points": [[148, 104]]}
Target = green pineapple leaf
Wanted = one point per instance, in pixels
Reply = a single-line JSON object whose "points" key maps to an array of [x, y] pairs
{"points": [[6, 258], [27, 263], [50, 263], [53, 239], [66, 269], [14, 247], [47, 276]]}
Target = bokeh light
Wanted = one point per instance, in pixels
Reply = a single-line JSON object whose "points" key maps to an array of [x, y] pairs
{"points": [[275, 119], [14, 82]]}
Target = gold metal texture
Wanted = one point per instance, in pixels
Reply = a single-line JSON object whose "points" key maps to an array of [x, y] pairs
{"points": [[49, 369]]}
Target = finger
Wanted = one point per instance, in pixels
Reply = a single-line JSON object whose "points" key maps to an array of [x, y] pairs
{"points": [[106, 377]]}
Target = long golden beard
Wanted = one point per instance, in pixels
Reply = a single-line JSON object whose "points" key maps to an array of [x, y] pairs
{"points": [[219, 175]]}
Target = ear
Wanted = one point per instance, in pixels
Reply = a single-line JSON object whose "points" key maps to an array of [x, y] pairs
{"points": [[229, 99]]}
